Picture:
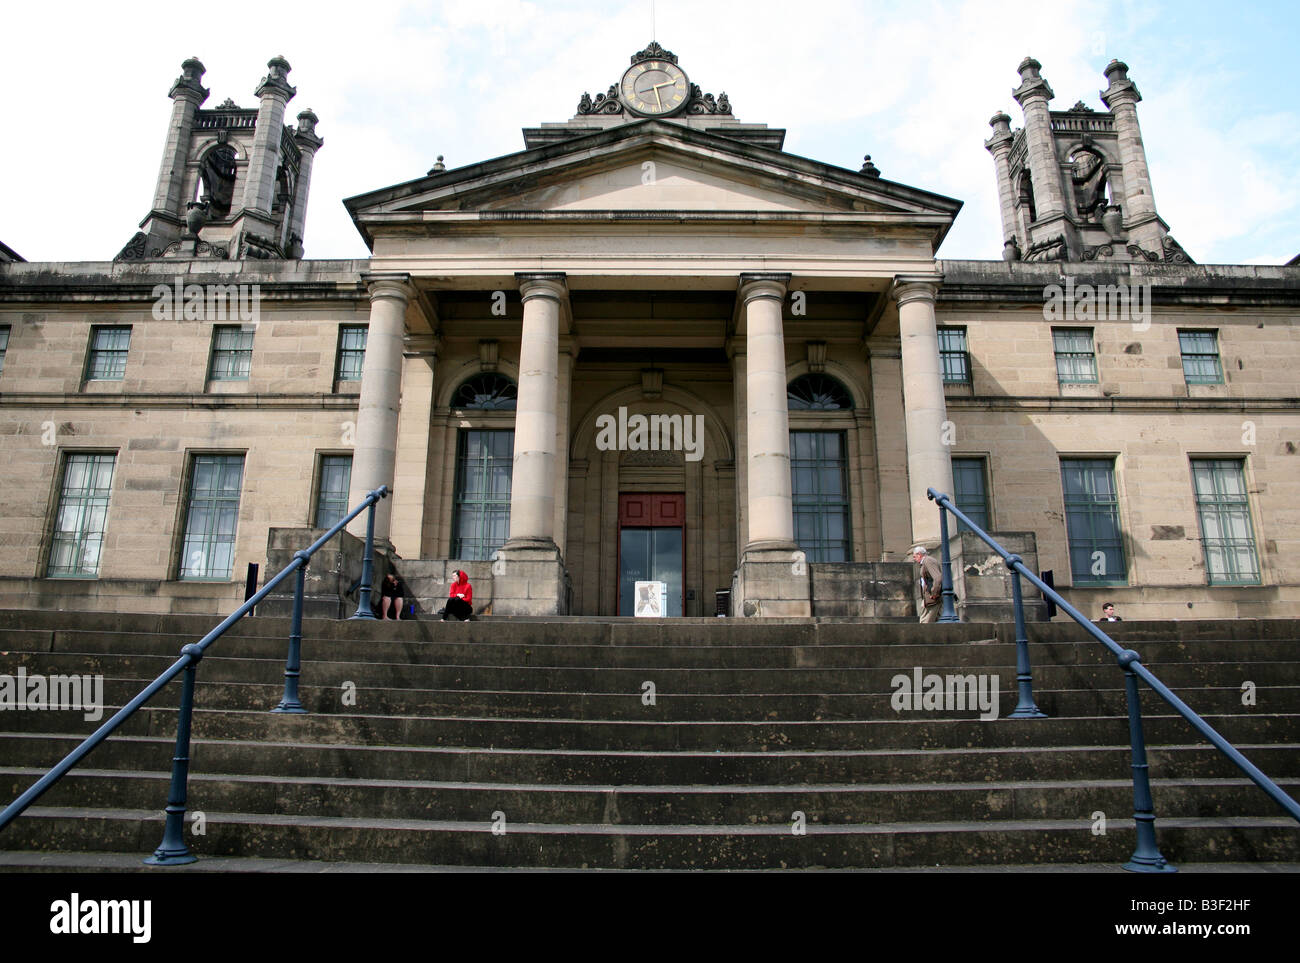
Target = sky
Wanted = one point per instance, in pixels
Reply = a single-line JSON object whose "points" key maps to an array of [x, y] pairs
{"points": [[397, 83]]}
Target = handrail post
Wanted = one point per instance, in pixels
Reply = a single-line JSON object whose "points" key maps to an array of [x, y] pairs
{"points": [[172, 851], [1026, 708], [1146, 857], [949, 612], [367, 567], [293, 664]]}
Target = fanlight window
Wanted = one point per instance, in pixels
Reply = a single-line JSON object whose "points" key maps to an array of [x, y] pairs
{"points": [[491, 392], [815, 392]]}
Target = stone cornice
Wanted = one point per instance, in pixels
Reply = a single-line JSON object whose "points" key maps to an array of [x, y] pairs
{"points": [[1103, 404], [189, 400]]}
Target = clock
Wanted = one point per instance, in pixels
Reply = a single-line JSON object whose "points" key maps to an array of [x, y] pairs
{"points": [[654, 88]]}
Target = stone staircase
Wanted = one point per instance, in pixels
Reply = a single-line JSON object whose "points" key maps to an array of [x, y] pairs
{"points": [[516, 743]]}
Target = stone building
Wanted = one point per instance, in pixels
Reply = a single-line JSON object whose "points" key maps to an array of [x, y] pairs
{"points": [[653, 345]]}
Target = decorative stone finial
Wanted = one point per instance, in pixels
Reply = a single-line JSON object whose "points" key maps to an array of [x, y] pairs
{"points": [[191, 79], [1121, 89], [307, 121], [439, 167], [868, 168], [1032, 83], [654, 52], [277, 78]]}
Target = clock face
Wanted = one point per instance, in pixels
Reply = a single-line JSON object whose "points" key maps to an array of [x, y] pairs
{"points": [[654, 88]]}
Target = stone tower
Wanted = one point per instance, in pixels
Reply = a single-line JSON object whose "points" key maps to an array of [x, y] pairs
{"points": [[1074, 185], [233, 181]]}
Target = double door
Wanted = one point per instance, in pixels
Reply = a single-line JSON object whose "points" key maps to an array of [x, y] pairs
{"points": [[651, 547]]}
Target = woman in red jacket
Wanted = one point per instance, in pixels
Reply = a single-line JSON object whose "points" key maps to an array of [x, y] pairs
{"points": [[460, 600]]}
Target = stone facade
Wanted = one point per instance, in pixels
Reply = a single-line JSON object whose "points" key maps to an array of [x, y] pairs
{"points": [[683, 270]]}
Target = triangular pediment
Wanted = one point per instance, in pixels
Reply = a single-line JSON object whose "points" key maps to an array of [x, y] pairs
{"points": [[651, 166]]}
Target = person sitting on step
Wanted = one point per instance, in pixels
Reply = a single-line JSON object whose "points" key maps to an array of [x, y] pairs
{"points": [[460, 600]]}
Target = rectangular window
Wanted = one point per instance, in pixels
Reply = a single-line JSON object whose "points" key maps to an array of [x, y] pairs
{"points": [[232, 353], [208, 552], [484, 461], [332, 500], [1200, 357], [1076, 362], [4, 345], [1092, 521], [820, 486], [953, 356], [969, 491], [108, 348], [1226, 529], [351, 353], [82, 516]]}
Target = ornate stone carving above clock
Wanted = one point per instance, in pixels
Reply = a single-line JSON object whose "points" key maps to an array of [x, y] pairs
{"points": [[654, 86]]}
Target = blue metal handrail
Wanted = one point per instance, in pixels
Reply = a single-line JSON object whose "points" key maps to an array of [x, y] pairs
{"points": [[1146, 857], [172, 850]]}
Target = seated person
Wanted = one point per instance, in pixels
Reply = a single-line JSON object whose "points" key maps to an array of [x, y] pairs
{"points": [[392, 593], [460, 600], [1108, 613]]}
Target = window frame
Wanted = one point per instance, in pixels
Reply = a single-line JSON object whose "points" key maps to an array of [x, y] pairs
{"points": [[187, 508], [319, 490], [1200, 379], [948, 354], [6, 332], [94, 352], [217, 351], [987, 507], [1087, 579], [342, 351], [60, 492], [822, 508], [1073, 355], [1242, 504], [487, 507]]}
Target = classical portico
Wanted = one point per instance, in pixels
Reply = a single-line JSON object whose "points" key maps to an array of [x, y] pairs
{"points": [[633, 308]]}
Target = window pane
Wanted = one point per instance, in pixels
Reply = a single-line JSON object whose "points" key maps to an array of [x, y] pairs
{"points": [[81, 516], [482, 498], [212, 517], [1092, 521], [819, 479], [1219, 485]]}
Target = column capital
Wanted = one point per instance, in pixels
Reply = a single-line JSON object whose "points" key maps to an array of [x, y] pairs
{"points": [[763, 285], [189, 85], [542, 284], [915, 287], [1033, 86], [389, 284], [1121, 90]]}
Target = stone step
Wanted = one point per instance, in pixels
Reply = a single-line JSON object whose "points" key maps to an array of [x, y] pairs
{"points": [[422, 675], [571, 653], [746, 846], [903, 732], [651, 805], [671, 706], [643, 767]]}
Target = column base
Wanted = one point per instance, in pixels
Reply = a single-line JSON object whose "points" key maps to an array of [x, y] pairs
{"points": [[773, 582], [528, 578]]}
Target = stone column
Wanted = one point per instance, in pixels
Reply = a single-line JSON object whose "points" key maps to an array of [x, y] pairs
{"points": [[167, 218], [999, 145], [275, 93], [528, 574], [308, 143], [771, 519], [411, 508], [1044, 169], [375, 456], [929, 462], [567, 352], [1122, 97], [773, 579]]}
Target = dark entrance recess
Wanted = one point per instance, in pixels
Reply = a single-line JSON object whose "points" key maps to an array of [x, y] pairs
{"points": [[651, 546]]}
